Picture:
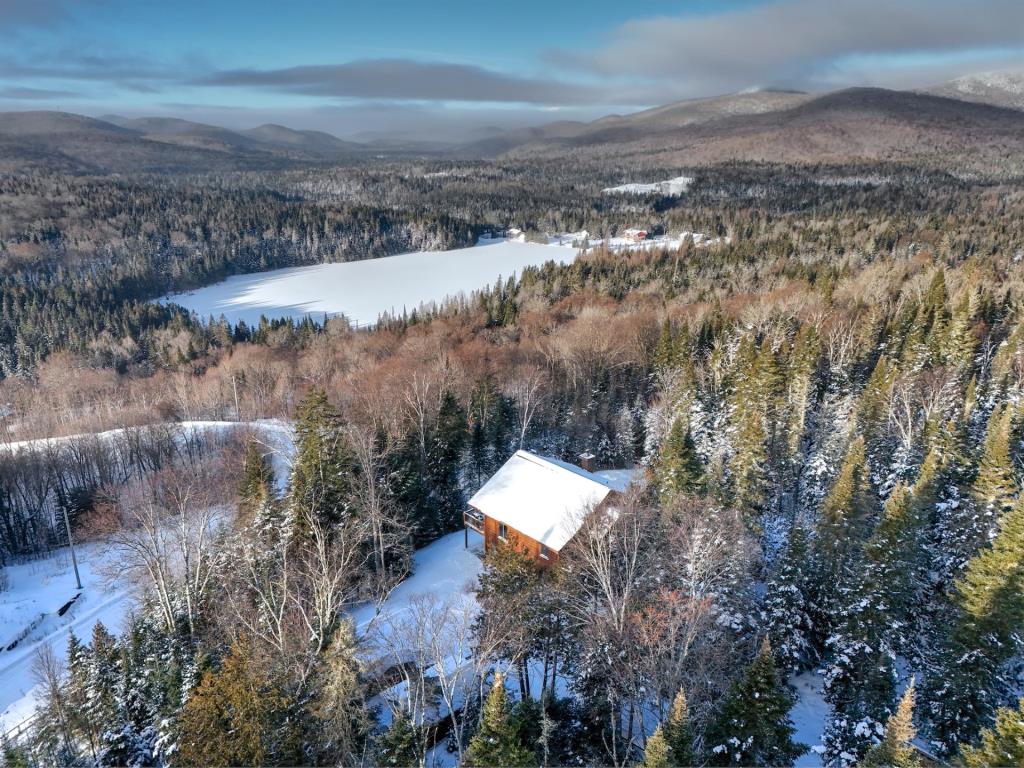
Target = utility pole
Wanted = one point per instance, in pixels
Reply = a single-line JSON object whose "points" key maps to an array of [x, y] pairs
{"points": [[71, 543]]}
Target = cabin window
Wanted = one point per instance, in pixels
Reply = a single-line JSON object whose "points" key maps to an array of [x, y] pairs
{"points": [[545, 552], [502, 531]]}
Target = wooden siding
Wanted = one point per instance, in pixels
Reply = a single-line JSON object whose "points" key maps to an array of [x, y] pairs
{"points": [[520, 540], [516, 539]]}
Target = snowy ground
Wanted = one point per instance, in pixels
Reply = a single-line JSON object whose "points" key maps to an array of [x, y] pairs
{"points": [[28, 614], [809, 715], [364, 290], [443, 569], [670, 187]]}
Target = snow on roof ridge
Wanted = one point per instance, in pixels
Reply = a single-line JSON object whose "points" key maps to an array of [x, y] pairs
{"points": [[554, 463]]}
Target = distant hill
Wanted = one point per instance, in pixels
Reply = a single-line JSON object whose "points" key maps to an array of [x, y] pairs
{"points": [[618, 128], [73, 143], [848, 126], [1000, 89], [956, 128]]}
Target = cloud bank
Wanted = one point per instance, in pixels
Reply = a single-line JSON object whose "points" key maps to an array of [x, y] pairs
{"points": [[807, 42], [405, 79]]}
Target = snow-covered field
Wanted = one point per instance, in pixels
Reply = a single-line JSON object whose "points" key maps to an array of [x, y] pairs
{"points": [[669, 187], [364, 290]]}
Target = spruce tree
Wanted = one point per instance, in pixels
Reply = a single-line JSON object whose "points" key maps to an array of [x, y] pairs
{"points": [[679, 469], [845, 515], [677, 733], [321, 483], [994, 486], [895, 748], [236, 716], [786, 611], [444, 456], [752, 727], [895, 570], [860, 679], [1002, 744], [748, 464], [665, 349], [102, 667], [873, 412], [398, 746], [842, 527], [496, 742], [76, 688], [656, 753], [256, 488], [986, 633], [991, 592]]}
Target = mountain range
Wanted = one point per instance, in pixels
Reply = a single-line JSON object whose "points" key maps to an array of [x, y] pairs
{"points": [[972, 125]]}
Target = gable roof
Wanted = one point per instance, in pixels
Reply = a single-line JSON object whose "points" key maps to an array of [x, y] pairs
{"points": [[544, 499]]}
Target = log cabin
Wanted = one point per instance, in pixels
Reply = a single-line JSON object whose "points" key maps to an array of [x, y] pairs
{"points": [[537, 504]]}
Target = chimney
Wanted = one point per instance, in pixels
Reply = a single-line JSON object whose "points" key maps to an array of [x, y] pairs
{"points": [[588, 461]]}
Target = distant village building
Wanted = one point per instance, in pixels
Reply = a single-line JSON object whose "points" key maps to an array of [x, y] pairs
{"points": [[538, 504], [636, 235]]}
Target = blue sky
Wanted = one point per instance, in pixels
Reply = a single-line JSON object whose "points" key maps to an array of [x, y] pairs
{"points": [[356, 67]]}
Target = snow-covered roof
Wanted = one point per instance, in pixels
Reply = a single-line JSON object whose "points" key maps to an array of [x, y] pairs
{"points": [[545, 499]]}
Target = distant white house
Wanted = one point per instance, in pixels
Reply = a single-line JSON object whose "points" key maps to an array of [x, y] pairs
{"points": [[538, 504]]}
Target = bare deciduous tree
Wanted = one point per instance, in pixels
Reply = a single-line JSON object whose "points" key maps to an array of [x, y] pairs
{"points": [[165, 541]]}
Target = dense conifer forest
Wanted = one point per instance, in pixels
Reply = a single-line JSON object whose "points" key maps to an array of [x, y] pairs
{"points": [[824, 407]]}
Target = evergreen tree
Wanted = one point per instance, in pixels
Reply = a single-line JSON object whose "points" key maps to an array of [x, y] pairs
{"points": [[873, 412], [860, 679], [986, 633], [497, 742], [444, 456], [895, 748], [942, 503], [398, 746], [76, 688], [994, 486], [749, 459], [256, 488], [665, 349], [321, 483], [991, 592], [338, 721], [786, 611], [679, 468], [656, 753], [896, 572], [102, 669], [236, 716], [846, 515], [752, 727], [677, 733], [1002, 744]]}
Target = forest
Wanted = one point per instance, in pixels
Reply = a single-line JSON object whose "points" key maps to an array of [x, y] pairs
{"points": [[824, 409]]}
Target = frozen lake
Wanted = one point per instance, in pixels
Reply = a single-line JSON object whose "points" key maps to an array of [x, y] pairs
{"points": [[363, 290]]}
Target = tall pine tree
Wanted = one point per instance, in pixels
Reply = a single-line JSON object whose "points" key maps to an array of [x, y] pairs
{"points": [[752, 726]]}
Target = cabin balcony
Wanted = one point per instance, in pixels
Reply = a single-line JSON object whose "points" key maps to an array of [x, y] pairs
{"points": [[473, 519]]}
